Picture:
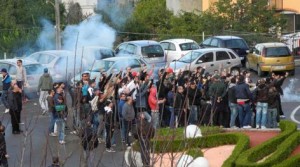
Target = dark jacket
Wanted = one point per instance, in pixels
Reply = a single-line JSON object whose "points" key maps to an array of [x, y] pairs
{"points": [[260, 94], [14, 101], [179, 101], [141, 96], [45, 82], [278, 83], [128, 112], [217, 89], [231, 93], [120, 107], [272, 98], [6, 81], [194, 96], [89, 139], [242, 91], [109, 116], [2, 146], [58, 114]]}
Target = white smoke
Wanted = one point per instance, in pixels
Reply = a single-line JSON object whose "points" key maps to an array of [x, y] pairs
{"points": [[291, 93], [46, 39]]}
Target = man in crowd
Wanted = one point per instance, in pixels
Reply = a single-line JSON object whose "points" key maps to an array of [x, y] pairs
{"points": [[6, 82], [44, 86]]}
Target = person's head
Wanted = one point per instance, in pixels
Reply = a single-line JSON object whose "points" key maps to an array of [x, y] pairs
{"points": [[45, 70], [233, 80], [122, 96], [92, 83], [128, 69], [4, 72], [85, 76], [51, 92], [62, 85], [2, 129], [199, 69], [129, 100], [193, 84], [109, 103], [241, 78], [180, 89], [141, 115], [19, 62], [59, 90]]}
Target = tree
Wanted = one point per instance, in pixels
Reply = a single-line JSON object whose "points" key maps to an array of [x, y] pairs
{"points": [[74, 15]]}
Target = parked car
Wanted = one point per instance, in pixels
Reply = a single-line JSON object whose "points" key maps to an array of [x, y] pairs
{"points": [[235, 43], [210, 58], [112, 65], [176, 48], [62, 64], [150, 51], [33, 70], [92, 53], [267, 57]]}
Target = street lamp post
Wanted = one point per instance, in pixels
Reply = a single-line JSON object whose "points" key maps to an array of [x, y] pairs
{"points": [[57, 23]]}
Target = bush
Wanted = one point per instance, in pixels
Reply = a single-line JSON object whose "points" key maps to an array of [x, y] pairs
{"points": [[279, 153], [293, 161]]}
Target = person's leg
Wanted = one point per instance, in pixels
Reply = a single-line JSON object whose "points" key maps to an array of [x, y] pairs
{"points": [[259, 107], [233, 114], [126, 130], [51, 124], [155, 119], [61, 129], [14, 121], [18, 114], [108, 136], [274, 118], [248, 114], [172, 119], [4, 96], [264, 115], [193, 115]]}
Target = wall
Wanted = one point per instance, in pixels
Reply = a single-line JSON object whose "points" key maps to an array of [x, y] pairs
{"points": [[184, 5], [86, 5]]}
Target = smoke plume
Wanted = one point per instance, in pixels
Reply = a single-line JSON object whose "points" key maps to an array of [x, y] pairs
{"points": [[291, 92], [46, 38]]}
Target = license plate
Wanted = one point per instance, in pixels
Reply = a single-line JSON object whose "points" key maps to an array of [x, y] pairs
{"points": [[279, 67]]}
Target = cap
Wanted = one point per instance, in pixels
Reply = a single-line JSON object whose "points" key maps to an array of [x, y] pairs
{"points": [[169, 70], [134, 74], [4, 70], [45, 70]]}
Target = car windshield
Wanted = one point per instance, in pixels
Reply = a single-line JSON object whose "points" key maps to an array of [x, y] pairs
{"points": [[102, 65], [33, 69], [277, 52], [152, 51], [189, 46], [235, 43], [190, 57]]}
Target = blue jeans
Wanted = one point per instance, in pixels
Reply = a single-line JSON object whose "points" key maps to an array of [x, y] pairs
{"points": [[172, 118], [272, 117], [52, 122], [244, 112], [233, 113], [60, 128], [4, 98], [95, 121], [155, 119], [261, 113], [126, 127], [193, 117]]}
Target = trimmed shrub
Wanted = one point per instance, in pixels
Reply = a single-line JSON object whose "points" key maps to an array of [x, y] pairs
{"points": [[293, 161], [274, 146]]}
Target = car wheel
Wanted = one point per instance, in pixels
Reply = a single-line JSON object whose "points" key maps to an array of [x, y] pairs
{"points": [[247, 65], [259, 72], [235, 71]]}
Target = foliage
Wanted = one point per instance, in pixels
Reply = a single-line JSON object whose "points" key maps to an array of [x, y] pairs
{"points": [[74, 16], [19, 22], [293, 161], [285, 143]]}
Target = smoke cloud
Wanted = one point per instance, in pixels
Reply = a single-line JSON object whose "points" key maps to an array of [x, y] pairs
{"points": [[117, 11], [46, 39], [291, 92]]}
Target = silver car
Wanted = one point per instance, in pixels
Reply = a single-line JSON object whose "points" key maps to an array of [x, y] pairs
{"points": [[33, 70], [62, 64], [150, 51], [210, 58]]}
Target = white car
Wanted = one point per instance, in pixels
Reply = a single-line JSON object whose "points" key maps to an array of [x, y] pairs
{"points": [[209, 58], [62, 64], [176, 48], [92, 53], [33, 71]]}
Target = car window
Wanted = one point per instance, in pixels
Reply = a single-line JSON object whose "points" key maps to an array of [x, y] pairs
{"points": [[190, 57], [277, 52], [165, 45], [121, 48], [235, 43], [104, 53], [34, 57], [189, 46], [131, 49], [33, 69], [207, 57], [133, 63], [45, 59], [172, 47], [102, 65], [152, 51], [207, 41], [214, 42], [221, 55], [12, 70], [232, 55]]}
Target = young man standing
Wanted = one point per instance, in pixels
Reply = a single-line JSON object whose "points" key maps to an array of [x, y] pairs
{"points": [[21, 74], [15, 107], [6, 81], [44, 86]]}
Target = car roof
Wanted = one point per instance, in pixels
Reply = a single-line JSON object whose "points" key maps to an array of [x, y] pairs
{"points": [[178, 40], [143, 42], [211, 49], [56, 52], [14, 61], [272, 44], [96, 47], [226, 37]]}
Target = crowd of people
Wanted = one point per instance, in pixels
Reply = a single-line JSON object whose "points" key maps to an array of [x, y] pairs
{"points": [[137, 103]]}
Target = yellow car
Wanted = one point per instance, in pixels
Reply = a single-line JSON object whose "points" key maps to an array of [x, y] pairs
{"points": [[269, 57]]}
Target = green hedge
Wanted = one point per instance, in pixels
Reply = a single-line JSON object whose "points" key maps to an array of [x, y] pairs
{"points": [[274, 146], [195, 152], [293, 161]]}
